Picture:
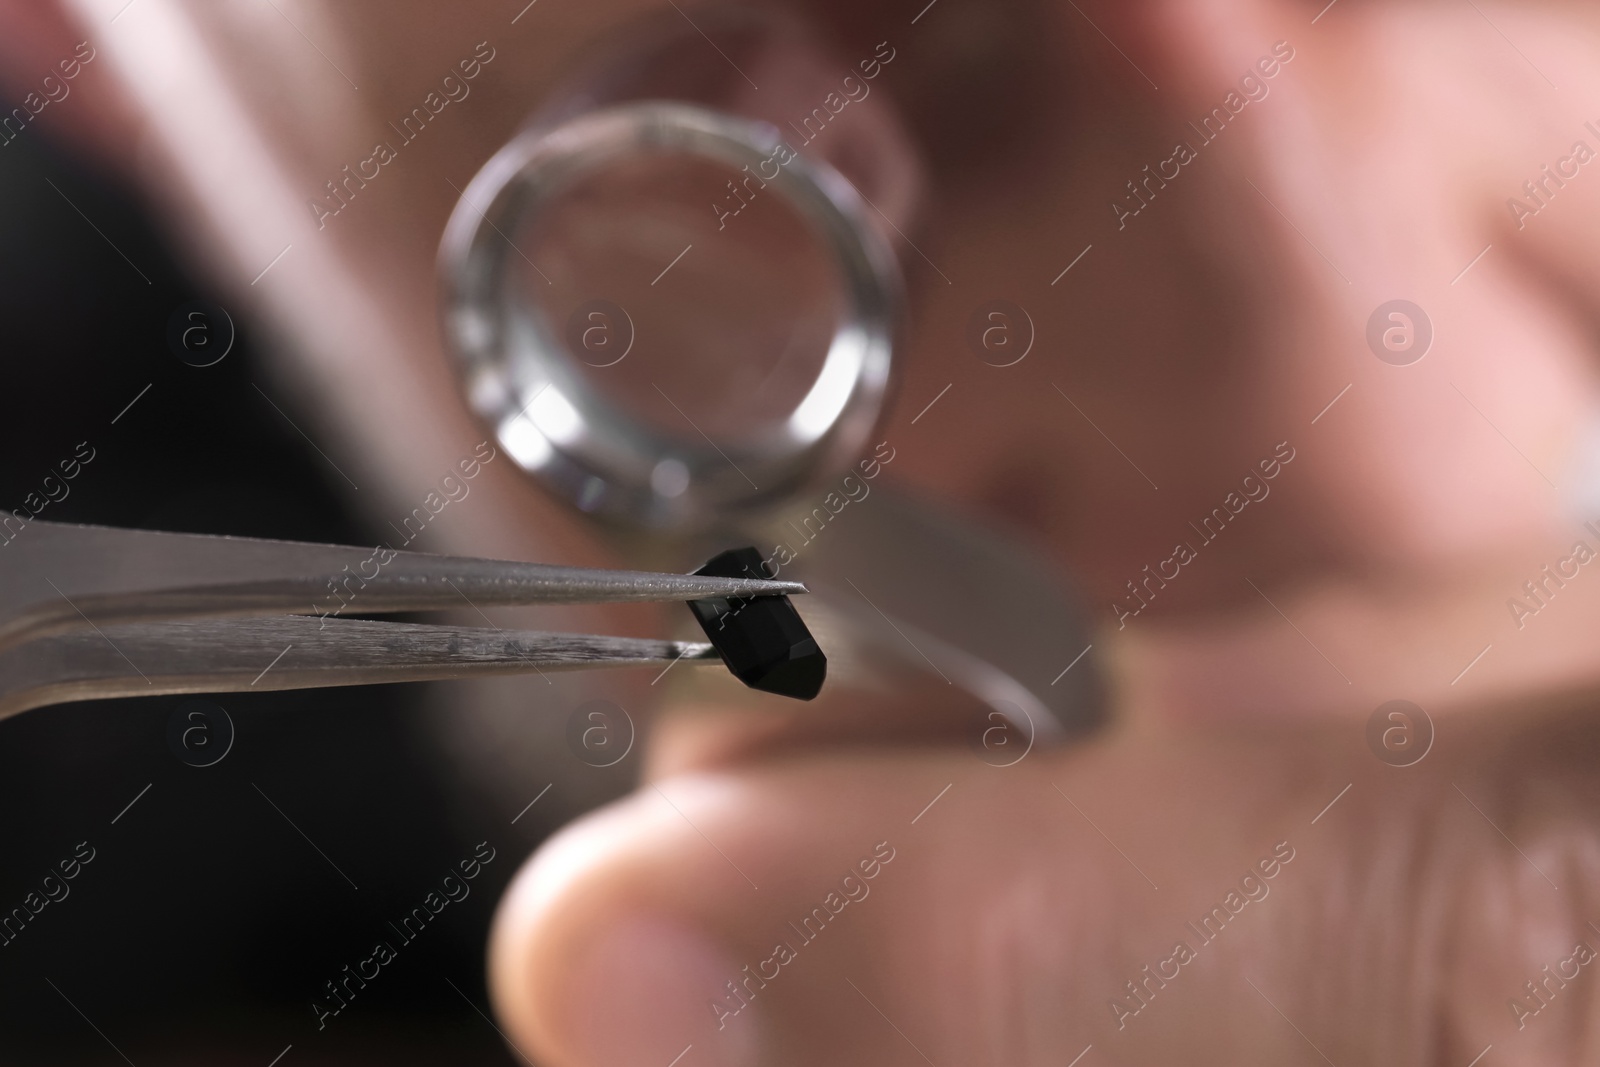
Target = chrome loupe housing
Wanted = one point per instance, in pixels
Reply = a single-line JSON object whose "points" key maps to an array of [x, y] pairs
{"points": [[520, 375]]}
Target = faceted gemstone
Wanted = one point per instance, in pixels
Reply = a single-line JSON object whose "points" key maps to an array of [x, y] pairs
{"points": [[762, 639]]}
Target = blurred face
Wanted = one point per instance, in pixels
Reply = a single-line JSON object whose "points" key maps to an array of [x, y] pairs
{"points": [[1242, 205], [1273, 320]]}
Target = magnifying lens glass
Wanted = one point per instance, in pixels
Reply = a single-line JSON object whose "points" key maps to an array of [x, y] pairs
{"points": [[669, 301], [676, 300]]}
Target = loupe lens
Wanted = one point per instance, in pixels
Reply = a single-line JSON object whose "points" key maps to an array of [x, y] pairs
{"points": [[689, 322], [673, 307]]}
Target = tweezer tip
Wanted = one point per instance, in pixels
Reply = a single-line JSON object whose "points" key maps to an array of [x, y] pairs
{"points": [[766, 586]]}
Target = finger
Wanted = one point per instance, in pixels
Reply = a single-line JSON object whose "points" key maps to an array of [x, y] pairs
{"points": [[928, 908], [619, 943]]}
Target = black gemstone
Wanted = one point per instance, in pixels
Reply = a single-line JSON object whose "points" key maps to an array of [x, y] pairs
{"points": [[762, 639]]}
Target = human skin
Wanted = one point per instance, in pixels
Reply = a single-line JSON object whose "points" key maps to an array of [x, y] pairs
{"points": [[1219, 322]]}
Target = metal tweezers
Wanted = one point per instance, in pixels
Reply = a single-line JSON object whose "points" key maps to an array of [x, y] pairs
{"points": [[88, 612]]}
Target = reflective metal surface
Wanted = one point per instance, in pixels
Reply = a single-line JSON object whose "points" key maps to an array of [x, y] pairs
{"points": [[555, 423], [298, 652], [56, 577], [90, 612], [900, 585]]}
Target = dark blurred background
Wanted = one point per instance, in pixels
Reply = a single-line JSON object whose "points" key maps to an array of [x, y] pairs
{"points": [[206, 924]]}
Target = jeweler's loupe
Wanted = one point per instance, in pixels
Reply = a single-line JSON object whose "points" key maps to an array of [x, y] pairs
{"points": [[675, 299], [672, 313]]}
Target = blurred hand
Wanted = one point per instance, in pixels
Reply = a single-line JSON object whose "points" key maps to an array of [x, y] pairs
{"points": [[1402, 926]]}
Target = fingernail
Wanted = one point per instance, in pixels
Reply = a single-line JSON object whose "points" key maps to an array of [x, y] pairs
{"points": [[649, 990]]}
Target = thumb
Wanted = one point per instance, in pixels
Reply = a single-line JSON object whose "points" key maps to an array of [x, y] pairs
{"points": [[1185, 898]]}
